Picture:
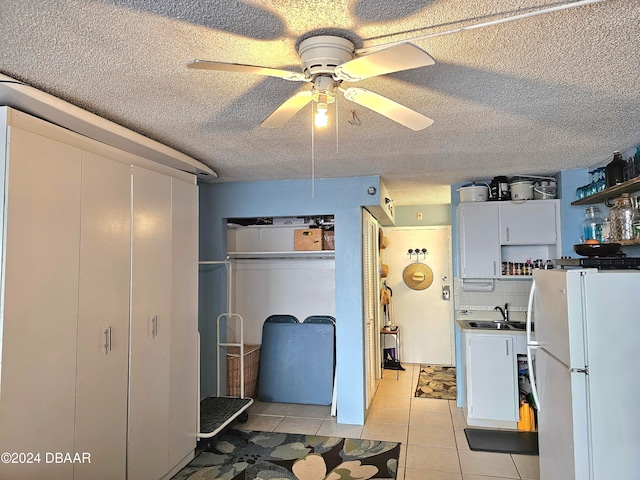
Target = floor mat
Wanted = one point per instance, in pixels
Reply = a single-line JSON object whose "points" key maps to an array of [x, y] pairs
{"points": [[502, 441], [244, 455], [437, 381]]}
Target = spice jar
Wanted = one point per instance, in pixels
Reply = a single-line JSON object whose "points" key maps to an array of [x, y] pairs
{"points": [[621, 219]]}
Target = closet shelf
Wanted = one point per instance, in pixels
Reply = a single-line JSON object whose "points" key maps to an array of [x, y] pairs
{"points": [[282, 255]]}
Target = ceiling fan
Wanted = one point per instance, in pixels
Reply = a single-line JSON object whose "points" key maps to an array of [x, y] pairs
{"points": [[327, 62]]}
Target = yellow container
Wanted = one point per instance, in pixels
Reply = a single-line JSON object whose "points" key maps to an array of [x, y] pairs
{"points": [[527, 421]]}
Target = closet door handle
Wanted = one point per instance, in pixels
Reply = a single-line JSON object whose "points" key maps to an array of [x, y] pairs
{"points": [[154, 326], [107, 341]]}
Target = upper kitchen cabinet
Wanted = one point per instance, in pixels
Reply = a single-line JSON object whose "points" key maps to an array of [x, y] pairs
{"points": [[479, 240], [495, 235], [529, 223]]}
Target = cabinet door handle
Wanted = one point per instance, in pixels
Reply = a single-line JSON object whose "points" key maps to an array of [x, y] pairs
{"points": [[154, 326], [506, 344], [494, 267], [507, 234], [107, 341]]}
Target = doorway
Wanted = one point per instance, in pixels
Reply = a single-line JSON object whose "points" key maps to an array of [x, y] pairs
{"points": [[424, 316]]}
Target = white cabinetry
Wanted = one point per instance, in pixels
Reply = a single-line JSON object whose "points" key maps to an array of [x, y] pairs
{"points": [[40, 293], [479, 242], [530, 223], [150, 325], [70, 336], [491, 233], [103, 318], [491, 380]]}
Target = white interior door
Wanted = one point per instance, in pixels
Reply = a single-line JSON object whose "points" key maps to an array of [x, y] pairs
{"points": [[424, 317], [371, 303]]}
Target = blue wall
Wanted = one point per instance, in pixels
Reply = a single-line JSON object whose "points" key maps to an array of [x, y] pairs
{"points": [[571, 217], [342, 198]]}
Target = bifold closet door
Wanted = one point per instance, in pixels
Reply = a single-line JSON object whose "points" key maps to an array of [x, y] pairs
{"points": [[147, 456], [103, 318], [39, 320]]}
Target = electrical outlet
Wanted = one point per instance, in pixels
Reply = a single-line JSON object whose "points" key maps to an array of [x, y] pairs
{"points": [[419, 215]]}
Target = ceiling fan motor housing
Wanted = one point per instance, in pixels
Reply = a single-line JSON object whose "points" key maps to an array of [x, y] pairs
{"points": [[322, 54]]}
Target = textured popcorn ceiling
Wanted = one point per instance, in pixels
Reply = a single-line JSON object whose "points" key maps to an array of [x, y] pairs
{"points": [[552, 92]]}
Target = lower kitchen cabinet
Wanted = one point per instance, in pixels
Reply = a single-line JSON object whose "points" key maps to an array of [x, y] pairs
{"points": [[491, 380]]}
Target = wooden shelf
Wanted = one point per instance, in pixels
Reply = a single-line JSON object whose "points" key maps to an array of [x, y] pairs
{"points": [[624, 243], [629, 186]]}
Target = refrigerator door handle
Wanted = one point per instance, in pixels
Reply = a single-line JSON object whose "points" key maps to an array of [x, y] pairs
{"points": [[531, 345], [532, 294], [532, 377]]}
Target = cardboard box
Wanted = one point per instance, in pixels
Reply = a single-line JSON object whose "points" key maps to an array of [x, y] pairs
{"points": [[307, 239], [328, 240]]}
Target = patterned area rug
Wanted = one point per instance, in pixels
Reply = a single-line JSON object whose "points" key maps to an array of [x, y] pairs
{"points": [[243, 455], [437, 381]]}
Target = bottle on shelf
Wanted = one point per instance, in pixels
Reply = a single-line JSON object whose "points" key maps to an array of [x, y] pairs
{"points": [[592, 224], [614, 171]]}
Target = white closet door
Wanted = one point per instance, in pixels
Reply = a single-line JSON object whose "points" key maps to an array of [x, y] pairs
{"points": [[40, 303], [183, 393], [371, 296], [103, 318], [150, 326]]}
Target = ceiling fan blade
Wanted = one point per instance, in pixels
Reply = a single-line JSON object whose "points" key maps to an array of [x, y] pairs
{"points": [[252, 69], [390, 109], [394, 59], [287, 110]]}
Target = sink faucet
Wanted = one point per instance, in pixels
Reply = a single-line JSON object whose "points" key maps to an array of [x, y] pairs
{"points": [[504, 313]]}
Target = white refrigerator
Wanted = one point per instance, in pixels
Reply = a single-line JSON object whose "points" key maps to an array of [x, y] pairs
{"points": [[587, 372]]}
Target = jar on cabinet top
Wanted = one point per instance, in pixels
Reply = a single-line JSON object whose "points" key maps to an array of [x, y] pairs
{"points": [[592, 224], [621, 218]]}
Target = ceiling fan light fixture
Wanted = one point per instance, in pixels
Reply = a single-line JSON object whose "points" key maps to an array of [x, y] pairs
{"points": [[321, 119]]}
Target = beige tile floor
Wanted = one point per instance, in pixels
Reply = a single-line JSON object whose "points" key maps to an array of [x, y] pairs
{"points": [[431, 432]]}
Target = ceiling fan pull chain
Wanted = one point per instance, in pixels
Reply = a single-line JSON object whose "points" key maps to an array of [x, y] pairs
{"points": [[336, 108], [355, 119], [313, 155]]}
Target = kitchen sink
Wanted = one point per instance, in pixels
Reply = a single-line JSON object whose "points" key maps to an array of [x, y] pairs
{"points": [[488, 325], [520, 326]]}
